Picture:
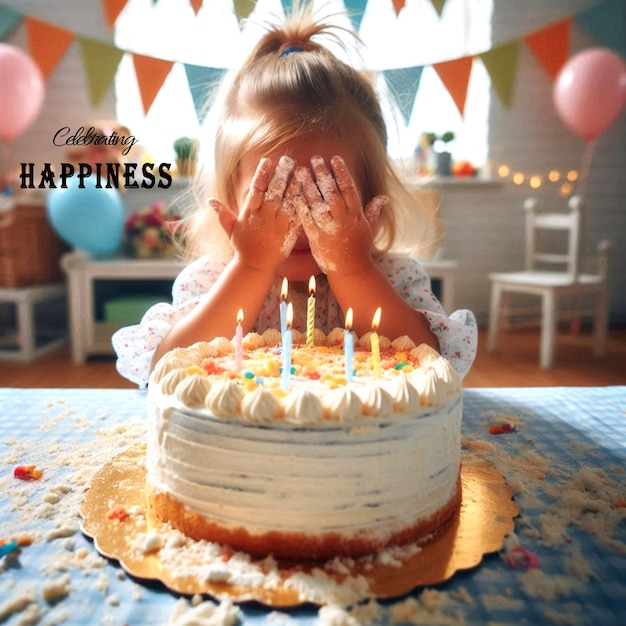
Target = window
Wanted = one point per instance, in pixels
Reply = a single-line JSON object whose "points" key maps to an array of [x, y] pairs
{"points": [[170, 30]]}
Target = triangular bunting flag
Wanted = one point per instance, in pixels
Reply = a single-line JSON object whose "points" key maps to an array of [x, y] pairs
{"points": [[403, 84], [112, 9], [606, 24], [203, 82], [100, 61], [9, 19], [355, 9], [151, 74], [398, 5], [243, 8], [550, 45], [501, 65], [196, 5], [438, 4], [287, 6], [455, 76], [46, 43]]}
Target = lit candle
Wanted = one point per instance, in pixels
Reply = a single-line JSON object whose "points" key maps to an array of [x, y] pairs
{"points": [[283, 307], [310, 312], [348, 345], [376, 344], [287, 343], [239, 341]]}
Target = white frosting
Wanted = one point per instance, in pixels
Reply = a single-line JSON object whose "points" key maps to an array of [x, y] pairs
{"points": [[176, 359], [403, 344], [406, 398], [224, 399], [343, 404], [376, 401], [170, 381], [192, 390], [260, 405], [302, 406], [271, 337], [335, 337], [372, 456], [222, 345], [252, 341], [319, 479], [203, 350]]}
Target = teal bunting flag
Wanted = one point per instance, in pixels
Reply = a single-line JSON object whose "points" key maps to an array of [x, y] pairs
{"points": [[356, 9], [203, 83], [403, 84], [606, 24], [287, 6], [9, 19]]}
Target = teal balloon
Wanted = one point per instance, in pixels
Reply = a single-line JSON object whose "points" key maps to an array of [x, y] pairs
{"points": [[87, 218]]}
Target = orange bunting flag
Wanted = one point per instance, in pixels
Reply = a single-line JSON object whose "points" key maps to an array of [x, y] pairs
{"points": [[46, 43], [151, 74], [551, 45], [112, 9], [196, 5], [398, 5], [455, 76]]}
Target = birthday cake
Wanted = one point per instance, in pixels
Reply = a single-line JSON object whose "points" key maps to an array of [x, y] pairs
{"points": [[310, 462]]}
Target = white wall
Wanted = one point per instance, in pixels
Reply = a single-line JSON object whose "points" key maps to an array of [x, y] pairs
{"points": [[484, 226]]}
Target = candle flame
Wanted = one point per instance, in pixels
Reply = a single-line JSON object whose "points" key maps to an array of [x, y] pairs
{"points": [[312, 285], [239, 316], [284, 289], [376, 319], [349, 319], [289, 314]]}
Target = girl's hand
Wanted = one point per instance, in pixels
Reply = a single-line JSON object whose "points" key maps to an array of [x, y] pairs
{"points": [[339, 230], [263, 234]]}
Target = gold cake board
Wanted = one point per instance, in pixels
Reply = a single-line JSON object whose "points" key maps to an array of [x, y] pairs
{"points": [[478, 528]]}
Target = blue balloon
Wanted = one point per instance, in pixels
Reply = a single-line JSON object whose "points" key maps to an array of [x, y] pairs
{"points": [[87, 218]]}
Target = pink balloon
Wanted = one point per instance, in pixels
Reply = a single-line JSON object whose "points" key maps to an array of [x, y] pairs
{"points": [[590, 92], [21, 92]]}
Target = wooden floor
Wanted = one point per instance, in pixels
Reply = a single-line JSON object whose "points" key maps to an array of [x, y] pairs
{"points": [[516, 364]]}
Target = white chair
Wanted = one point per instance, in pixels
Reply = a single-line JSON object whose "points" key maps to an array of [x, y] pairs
{"points": [[552, 285]]}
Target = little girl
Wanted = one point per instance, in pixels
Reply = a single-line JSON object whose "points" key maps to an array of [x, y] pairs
{"points": [[305, 189]]}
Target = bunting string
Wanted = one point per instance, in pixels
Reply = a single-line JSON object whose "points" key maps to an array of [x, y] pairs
{"points": [[604, 22]]}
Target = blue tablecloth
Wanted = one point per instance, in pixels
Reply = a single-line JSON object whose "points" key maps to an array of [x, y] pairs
{"points": [[565, 460]]}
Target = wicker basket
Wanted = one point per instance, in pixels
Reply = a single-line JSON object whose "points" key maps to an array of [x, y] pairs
{"points": [[29, 249]]}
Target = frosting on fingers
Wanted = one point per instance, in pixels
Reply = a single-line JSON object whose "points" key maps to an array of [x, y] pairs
{"points": [[258, 184], [278, 183], [325, 180]]}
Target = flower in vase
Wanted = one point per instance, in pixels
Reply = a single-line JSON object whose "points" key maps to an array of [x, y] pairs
{"points": [[149, 232]]}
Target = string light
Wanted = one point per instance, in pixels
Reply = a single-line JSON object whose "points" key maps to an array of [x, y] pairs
{"points": [[564, 180]]}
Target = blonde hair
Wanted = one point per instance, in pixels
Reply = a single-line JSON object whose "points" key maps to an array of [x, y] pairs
{"points": [[276, 100]]}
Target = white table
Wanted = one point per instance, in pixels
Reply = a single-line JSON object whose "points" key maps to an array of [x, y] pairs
{"points": [[24, 344], [81, 272], [446, 271]]}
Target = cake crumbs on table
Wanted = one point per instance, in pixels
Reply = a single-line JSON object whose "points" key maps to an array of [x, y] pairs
{"points": [[586, 498]]}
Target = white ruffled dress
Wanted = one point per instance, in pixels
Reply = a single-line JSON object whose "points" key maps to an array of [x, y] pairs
{"points": [[135, 345]]}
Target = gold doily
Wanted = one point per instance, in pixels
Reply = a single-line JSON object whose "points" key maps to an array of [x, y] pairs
{"points": [[478, 528]]}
